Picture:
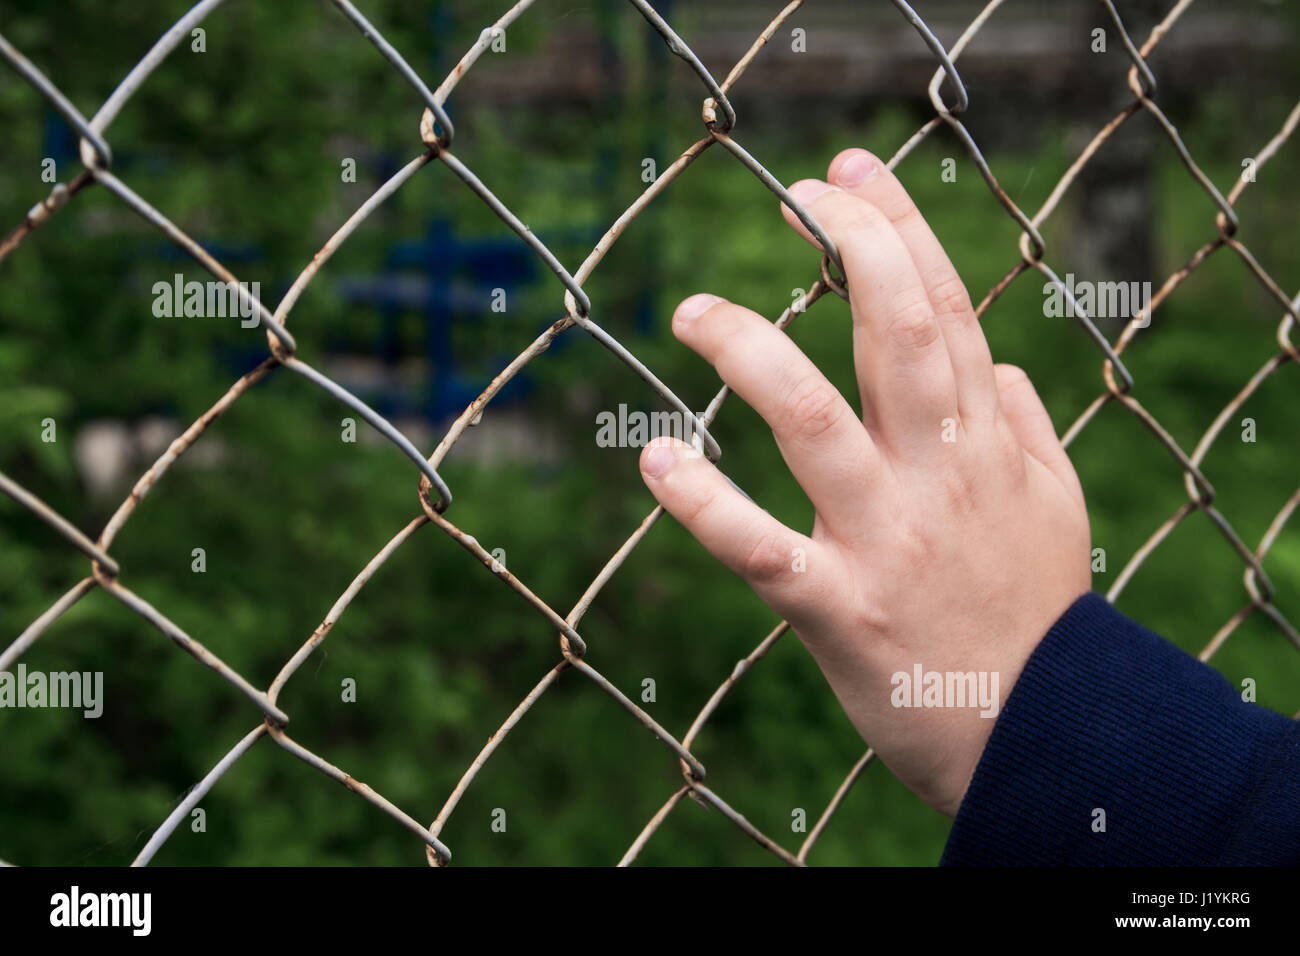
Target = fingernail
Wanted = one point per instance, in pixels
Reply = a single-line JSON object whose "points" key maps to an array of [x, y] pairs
{"points": [[658, 459], [805, 191], [857, 169], [696, 305]]}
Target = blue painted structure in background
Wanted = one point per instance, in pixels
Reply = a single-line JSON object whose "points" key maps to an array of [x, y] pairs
{"points": [[444, 275]]}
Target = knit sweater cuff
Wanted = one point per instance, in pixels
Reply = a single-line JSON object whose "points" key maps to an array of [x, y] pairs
{"points": [[1117, 748]]}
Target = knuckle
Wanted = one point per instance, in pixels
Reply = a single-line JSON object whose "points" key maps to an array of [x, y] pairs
{"points": [[1004, 456], [950, 298], [693, 507], [897, 206], [962, 487], [812, 408], [870, 616], [766, 559], [912, 325], [916, 544], [1009, 458], [1011, 378]]}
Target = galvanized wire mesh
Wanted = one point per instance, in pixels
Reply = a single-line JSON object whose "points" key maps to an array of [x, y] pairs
{"points": [[434, 497]]}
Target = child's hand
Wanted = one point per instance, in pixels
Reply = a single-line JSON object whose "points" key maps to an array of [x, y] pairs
{"points": [[950, 532]]}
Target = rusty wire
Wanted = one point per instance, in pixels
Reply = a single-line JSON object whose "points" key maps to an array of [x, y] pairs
{"points": [[434, 497]]}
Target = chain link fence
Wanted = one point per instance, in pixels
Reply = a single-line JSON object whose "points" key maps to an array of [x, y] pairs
{"points": [[950, 99]]}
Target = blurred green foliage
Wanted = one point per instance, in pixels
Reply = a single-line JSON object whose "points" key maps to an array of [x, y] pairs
{"points": [[242, 145]]}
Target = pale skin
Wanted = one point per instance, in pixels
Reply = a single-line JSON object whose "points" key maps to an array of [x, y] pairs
{"points": [[957, 555]]}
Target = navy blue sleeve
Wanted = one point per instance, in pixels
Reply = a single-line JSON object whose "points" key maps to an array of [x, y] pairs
{"points": [[1108, 716]]}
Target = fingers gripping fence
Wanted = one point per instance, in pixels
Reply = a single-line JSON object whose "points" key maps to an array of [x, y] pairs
{"points": [[435, 498]]}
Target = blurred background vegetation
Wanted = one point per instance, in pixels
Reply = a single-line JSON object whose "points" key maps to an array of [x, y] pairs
{"points": [[242, 146]]}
